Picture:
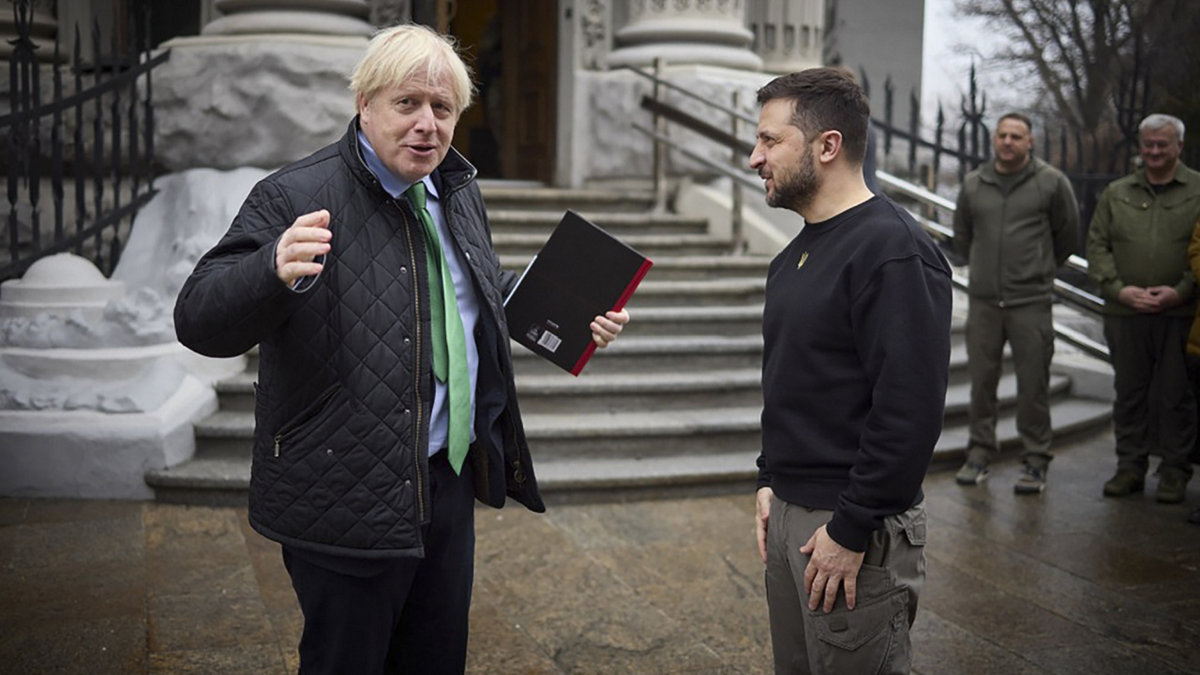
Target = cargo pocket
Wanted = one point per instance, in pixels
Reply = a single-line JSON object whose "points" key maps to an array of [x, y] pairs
{"points": [[870, 640]]}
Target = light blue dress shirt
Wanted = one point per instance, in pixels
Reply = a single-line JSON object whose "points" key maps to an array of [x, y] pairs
{"points": [[464, 292]]}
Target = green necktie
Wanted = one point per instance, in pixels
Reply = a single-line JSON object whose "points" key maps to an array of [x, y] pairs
{"points": [[449, 342]]}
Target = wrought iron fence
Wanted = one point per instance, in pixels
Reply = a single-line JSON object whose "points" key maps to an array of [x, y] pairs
{"points": [[96, 143], [1088, 162]]}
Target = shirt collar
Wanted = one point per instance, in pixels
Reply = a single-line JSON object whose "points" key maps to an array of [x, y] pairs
{"points": [[390, 182]]}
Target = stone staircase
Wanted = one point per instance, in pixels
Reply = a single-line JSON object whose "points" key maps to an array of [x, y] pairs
{"points": [[672, 406]]}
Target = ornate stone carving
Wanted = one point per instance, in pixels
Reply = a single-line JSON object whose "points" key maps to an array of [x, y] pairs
{"points": [[594, 20]]}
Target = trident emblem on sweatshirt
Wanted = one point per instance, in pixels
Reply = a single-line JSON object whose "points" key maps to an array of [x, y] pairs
{"points": [[803, 259]]}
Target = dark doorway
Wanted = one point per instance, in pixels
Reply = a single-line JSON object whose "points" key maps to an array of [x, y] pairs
{"points": [[509, 132]]}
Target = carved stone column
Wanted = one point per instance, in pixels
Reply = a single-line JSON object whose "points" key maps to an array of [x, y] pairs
{"points": [[710, 32], [323, 17], [788, 34], [263, 84]]}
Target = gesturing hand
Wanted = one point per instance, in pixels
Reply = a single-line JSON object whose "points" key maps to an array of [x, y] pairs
{"points": [[830, 565], [307, 238]]}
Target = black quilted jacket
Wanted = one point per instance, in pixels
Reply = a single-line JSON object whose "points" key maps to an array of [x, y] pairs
{"points": [[344, 386]]}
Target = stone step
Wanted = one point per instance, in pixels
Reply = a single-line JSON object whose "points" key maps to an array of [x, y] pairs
{"points": [[654, 293], [609, 456], [508, 195], [715, 320], [559, 393], [694, 267], [616, 223], [667, 354], [653, 246]]}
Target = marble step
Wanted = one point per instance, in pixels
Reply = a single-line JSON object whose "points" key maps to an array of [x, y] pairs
{"points": [[716, 320], [690, 293], [617, 223], [504, 195], [654, 246], [694, 267], [680, 450], [657, 354], [558, 392], [558, 405]]}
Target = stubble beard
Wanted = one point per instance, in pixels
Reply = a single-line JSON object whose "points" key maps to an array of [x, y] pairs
{"points": [[797, 192]]}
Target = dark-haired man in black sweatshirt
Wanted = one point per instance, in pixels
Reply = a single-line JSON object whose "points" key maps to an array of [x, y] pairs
{"points": [[856, 330]]}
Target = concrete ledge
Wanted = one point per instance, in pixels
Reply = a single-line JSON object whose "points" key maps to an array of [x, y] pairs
{"points": [[91, 455], [1091, 378]]}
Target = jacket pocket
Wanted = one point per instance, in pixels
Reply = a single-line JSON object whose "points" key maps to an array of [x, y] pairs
{"points": [[334, 402]]}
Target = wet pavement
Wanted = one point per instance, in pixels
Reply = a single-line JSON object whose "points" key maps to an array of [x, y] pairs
{"points": [[1063, 583]]}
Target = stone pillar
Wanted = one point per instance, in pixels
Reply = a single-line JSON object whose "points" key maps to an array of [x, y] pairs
{"points": [[788, 34], [704, 32], [324, 17], [264, 84]]}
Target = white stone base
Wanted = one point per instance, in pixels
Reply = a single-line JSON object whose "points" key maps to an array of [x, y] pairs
{"points": [[90, 455]]}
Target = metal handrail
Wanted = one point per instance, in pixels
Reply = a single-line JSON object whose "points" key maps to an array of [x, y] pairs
{"points": [[724, 170]]}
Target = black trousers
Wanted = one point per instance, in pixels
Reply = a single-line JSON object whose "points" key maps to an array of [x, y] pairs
{"points": [[396, 616], [1148, 354]]}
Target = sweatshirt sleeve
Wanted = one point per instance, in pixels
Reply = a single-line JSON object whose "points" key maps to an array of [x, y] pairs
{"points": [[902, 328], [233, 297]]}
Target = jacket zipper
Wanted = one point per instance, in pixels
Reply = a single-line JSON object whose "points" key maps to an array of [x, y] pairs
{"points": [[412, 260], [282, 434]]}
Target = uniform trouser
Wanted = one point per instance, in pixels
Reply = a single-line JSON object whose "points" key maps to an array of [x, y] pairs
{"points": [[409, 615], [1029, 330], [1148, 350], [871, 638]]}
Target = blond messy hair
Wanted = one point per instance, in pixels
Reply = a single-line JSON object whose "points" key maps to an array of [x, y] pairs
{"points": [[398, 54]]}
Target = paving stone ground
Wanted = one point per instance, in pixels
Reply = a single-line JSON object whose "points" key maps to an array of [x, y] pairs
{"points": [[1059, 584]]}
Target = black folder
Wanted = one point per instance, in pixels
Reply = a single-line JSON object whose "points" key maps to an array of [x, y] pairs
{"points": [[582, 272]]}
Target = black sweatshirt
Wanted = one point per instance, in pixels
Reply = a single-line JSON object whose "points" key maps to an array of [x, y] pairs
{"points": [[856, 327]]}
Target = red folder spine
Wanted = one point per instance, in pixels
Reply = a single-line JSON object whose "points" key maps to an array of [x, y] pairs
{"points": [[620, 304]]}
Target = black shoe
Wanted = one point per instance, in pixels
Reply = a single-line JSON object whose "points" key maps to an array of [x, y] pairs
{"points": [[1194, 518]]}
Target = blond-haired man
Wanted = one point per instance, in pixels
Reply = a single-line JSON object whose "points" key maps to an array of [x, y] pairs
{"points": [[385, 402]]}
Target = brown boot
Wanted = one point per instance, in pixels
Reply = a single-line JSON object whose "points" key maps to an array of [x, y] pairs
{"points": [[1124, 484]]}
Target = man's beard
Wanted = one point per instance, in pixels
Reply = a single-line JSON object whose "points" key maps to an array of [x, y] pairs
{"points": [[797, 192]]}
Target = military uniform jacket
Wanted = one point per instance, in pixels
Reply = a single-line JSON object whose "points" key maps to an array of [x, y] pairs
{"points": [[1015, 241], [1140, 238]]}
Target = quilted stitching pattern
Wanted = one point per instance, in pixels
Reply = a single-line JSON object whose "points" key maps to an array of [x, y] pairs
{"points": [[346, 481], [344, 385]]}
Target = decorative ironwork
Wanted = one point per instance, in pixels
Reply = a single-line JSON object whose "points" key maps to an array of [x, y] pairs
{"points": [[1089, 167], [118, 172]]}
